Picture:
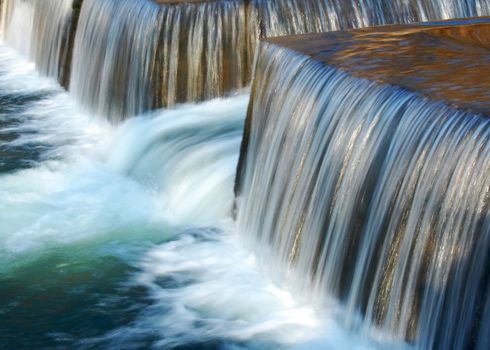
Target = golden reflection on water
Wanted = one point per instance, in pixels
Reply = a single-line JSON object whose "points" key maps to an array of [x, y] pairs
{"points": [[449, 63]]}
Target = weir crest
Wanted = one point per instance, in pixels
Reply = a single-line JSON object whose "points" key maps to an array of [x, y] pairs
{"points": [[168, 52]]}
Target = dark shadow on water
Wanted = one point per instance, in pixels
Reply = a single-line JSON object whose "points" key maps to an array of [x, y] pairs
{"points": [[59, 299], [22, 156]]}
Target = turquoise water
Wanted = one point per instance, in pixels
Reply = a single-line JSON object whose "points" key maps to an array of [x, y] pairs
{"points": [[121, 237]]}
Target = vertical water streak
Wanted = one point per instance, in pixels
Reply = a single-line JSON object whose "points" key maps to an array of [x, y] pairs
{"points": [[386, 209], [113, 56], [40, 30], [173, 52], [131, 56]]}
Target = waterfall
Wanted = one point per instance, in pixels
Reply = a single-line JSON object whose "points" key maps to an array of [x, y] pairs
{"points": [[130, 56], [165, 53], [369, 198], [113, 56], [173, 52], [279, 17], [370, 194], [41, 31]]}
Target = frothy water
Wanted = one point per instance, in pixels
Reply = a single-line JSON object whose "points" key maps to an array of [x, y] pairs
{"points": [[187, 155], [209, 291], [122, 238], [86, 176]]}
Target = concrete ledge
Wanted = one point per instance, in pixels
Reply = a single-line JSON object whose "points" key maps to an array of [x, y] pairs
{"points": [[448, 61]]}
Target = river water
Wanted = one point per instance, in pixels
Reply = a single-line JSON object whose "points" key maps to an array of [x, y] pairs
{"points": [[121, 238]]}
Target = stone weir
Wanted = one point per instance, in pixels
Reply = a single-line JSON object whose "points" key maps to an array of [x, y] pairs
{"points": [[124, 57], [365, 176], [174, 51]]}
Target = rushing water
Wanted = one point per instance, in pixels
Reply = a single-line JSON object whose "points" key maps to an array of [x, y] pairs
{"points": [[167, 54], [130, 56], [121, 237], [386, 209]]}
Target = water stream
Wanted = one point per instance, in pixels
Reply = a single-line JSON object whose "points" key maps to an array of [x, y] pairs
{"points": [[364, 232], [121, 237]]}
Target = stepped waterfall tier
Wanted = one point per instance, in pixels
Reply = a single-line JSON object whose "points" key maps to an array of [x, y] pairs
{"points": [[130, 56], [177, 51], [282, 17], [365, 176], [167, 53], [43, 31], [240, 175]]}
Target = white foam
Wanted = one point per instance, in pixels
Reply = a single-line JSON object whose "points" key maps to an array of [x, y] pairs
{"points": [[187, 156], [206, 288], [103, 184]]}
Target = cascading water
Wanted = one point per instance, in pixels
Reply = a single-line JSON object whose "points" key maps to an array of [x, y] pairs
{"points": [[279, 17], [41, 31], [172, 52], [188, 155], [165, 53], [115, 49], [370, 194], [102, 243]]}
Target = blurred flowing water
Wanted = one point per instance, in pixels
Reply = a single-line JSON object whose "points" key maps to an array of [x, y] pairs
{"points": [[369, 193], [120, 237], [172, 52]]}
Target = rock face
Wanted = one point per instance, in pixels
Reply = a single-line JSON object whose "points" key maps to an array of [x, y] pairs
{"points": [[364, 176]]}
